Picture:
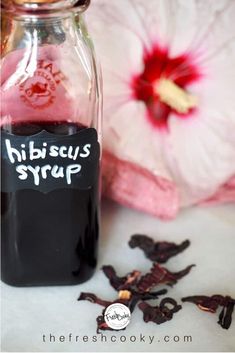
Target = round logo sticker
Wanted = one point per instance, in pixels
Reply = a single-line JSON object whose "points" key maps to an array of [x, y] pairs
{"points": [[117, 316], [39, 91]]}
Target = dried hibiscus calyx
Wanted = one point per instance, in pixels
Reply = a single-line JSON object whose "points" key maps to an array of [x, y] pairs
{"points": [[128, 298], [212, 303], [128, 293], [136, 296], [101, 324], [121, 283], [135, 287], [131, 300], [162, 313], [160, 275], [94, 299], [157, 251]]}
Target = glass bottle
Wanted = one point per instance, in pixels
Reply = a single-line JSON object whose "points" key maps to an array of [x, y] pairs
{"points": [[50, 139]]}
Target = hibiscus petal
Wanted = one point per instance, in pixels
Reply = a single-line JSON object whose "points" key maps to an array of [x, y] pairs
{"points": [[133, 186], [226, 193], [195, 153]]}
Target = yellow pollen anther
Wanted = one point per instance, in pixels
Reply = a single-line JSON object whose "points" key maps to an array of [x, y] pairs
{"points": [[124, 294], [174, 96]]}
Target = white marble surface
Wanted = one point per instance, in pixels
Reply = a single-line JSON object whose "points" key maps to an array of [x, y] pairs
{"points": [[30, 313]]}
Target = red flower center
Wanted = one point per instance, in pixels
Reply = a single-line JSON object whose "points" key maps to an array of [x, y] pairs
{"points": [[177, 72]]}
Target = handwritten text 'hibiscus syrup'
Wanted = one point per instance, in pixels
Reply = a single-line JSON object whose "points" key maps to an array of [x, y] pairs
{"points": [[31, 153]]}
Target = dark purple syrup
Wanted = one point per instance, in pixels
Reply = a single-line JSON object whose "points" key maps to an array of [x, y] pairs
{"points": [[48, 238]]}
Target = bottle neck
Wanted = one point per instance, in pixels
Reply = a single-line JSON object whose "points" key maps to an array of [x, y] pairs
{"points": [[21, 32], [47, 21], [45, 7]]}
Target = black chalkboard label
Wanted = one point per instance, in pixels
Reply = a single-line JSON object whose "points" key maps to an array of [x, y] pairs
{"points": [[47, 161]]}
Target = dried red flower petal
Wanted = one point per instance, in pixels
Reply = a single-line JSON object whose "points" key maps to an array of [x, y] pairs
{"points": [[211, 304], [157, 251], [225, 317], [121, 283], [134, 287], [94, 299], [162, 313], [160, 275], [137, 296], [130, 303], [101, 324]]}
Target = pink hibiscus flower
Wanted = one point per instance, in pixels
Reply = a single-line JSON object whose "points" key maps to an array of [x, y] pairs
{"points": [[169, 101]]}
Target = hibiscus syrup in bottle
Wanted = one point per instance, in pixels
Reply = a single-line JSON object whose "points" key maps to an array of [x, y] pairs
{"points": [[50, 141]]}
